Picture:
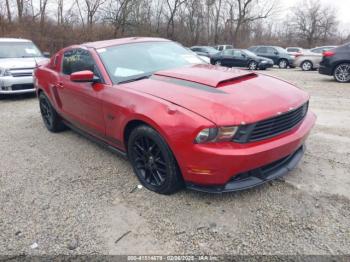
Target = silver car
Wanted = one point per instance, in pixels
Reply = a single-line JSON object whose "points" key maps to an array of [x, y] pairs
{"points": [[18, 58], [310, 59]]}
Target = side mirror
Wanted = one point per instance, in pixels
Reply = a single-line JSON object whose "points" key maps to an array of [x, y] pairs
{"points": [[82, 76], [46, 54]]}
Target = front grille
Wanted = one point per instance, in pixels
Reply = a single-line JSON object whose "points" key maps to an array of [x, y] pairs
{"points": [[22, 87], [271, 127], [21, 74]]}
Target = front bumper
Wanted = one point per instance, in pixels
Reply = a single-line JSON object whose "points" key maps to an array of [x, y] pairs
{"points": [[324, 70], [257, 176], [16, 85], [216, 164], [265, 65]]}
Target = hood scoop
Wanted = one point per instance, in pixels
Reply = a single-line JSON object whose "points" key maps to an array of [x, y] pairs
{"points": [[208, 75]]}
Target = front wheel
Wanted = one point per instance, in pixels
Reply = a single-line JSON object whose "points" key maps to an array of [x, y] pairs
{"points": [[252, 65], [283, 63], [306, 66], [153, 162], [342, 73], [52, 120]]}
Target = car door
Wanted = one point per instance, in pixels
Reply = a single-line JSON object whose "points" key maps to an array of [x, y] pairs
{"points": [[239, 59], [272, 53], [261, 51], [226, 57], [80, 101]]}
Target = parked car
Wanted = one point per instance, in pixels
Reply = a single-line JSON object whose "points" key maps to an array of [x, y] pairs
{"points": [[223, 47], [294, 52], [210, 128], [308, 61], [207, 51], [336, 62], [279, 55], [241, 58], [321, 49], [18, 58], [204, 58]]}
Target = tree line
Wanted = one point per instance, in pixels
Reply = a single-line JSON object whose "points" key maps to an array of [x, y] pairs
{"points": [[53, 24]]}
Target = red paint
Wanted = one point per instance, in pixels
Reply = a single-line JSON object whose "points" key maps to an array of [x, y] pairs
{"points": [[179, 112], [82, 76]]}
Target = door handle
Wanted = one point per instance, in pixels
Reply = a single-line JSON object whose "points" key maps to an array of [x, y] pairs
{"points": [[59, 85]]}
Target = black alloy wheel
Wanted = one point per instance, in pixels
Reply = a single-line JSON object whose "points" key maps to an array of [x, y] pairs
{"points": [[52, 120], [153, 162]]}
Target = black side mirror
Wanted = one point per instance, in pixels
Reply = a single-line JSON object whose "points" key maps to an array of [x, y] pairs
{"points": [[46, 54]]}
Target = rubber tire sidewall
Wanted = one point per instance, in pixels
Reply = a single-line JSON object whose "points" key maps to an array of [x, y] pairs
{"points": [[307, 61], [57, 124], [256, 67], [279, 62], [335, 68], [174, 180]]}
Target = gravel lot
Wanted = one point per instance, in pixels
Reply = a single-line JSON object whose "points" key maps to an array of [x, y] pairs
{"points": [[70, 196]]}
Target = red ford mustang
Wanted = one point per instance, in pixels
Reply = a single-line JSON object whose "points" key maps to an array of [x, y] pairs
{"points": [[178, 120]]}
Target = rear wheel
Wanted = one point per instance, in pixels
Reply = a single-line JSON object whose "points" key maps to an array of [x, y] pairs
{"points": [[342, 73], [153, 162], [306, 66], [252, 65], [52, 120], [283, 63]]}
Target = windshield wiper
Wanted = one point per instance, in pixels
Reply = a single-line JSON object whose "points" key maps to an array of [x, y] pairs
{"points": [[135, 79]]}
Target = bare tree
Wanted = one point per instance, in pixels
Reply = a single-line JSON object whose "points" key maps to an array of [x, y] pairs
{"points": [[8, 9], [314, 22], [173, 6], [117, 13], [20, 8], [243, 12]]}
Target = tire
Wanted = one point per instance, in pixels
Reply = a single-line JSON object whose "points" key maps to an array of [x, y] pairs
{"points": [[218, 63], [252, 65], [153, 162], [283, 63], [52, 120], [307, 65], [342, 73]]}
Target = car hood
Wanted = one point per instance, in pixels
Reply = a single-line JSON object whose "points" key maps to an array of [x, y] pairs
{"points": [[222, 95], [261, 58], [15, 63]]}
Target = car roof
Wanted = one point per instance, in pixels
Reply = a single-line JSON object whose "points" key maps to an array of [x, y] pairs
{"points": [[19, 40], [123, 41]]}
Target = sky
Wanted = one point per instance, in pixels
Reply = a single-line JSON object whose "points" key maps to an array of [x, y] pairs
{"points": [[342, 7]]}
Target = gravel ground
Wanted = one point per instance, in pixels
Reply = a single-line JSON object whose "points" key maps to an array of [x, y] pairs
{"points": [[67, 195]]}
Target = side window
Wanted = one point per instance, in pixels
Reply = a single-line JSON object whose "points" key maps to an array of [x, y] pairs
{"points": [[237, 53], [221, 48], [227, 52], [271, 50], [262, 50], [78, 60]]}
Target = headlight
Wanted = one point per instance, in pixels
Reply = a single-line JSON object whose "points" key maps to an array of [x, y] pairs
{"points": [[263, 61], [220, 134], [5, 72]]}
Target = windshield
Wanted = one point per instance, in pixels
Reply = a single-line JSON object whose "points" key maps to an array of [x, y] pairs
{"points": [[18, 50], [249, 53], [138, 60]]}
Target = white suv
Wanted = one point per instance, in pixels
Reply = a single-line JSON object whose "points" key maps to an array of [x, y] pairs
{"points": [[18, 58]]}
